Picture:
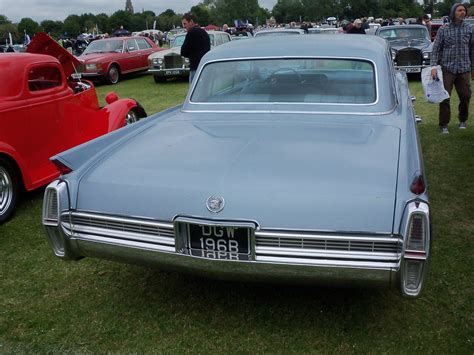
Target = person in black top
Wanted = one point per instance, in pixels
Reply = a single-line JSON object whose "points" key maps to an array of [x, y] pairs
{"points": [[196, 43], [356, 28]]}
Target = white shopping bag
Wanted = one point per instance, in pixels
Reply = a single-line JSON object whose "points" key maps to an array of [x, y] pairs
{"points": [[434, 89]]}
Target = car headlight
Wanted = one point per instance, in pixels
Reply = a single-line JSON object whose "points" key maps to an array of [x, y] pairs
{"points": [[93, 66], [394, 54], [157, 60], [186, 60], [426, 55]]}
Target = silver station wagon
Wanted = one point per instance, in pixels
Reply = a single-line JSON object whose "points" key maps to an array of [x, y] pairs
{"points": [[289, 161]]}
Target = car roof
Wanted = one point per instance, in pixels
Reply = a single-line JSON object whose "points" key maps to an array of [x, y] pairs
{"points": [[12, 67], [368, 47]]}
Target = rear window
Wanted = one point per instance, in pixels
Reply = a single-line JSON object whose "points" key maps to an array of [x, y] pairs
{"points": [[44, 78], [322, 81]]}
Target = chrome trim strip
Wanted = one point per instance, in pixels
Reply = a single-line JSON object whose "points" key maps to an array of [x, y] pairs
{"points": [[121, 220], [125, 242], [97, 232], [330, 263], [361, 238], [380, 113], [321, 253]]}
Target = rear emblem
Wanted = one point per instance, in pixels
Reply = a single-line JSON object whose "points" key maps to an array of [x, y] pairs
{"points": [[215, 204]]}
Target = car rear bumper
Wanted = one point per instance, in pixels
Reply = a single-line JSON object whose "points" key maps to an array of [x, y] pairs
{"points": [[81, 234]]}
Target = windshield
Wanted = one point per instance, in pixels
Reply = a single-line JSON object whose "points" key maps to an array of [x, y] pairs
{"points": [[178, 41], [112, 45], [404, 33], [305, 80]]}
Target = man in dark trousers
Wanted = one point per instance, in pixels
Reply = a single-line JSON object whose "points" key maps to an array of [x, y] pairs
{"points": [[196, 43], [453, 49]]}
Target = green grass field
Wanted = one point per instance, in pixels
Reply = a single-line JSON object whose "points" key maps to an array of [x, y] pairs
{"points": [[96, 306]]}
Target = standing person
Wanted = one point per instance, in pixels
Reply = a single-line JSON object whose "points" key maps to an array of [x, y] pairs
{"points": [[356, 28], [196, 43], [453, 49], [427, 21]]}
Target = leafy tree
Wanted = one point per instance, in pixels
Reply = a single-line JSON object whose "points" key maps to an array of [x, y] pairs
{"points": [[72, 26], [121, 18], [168, 20], [168, 13], [286, 11], [226, 11], [102, 21], [4, 20], [28, 25], [54, 28], [202, 13], [9, 28]]}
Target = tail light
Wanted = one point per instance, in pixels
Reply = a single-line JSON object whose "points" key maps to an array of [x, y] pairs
{"points": [[418, 185], [62, 168], [416, 248], [51, 207]]}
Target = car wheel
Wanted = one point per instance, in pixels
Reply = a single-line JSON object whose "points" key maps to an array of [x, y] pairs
{"points": [[131, 117], [159, 79], [9, 189], [113, 75]]}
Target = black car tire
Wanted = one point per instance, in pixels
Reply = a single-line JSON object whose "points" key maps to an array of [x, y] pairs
{"points": [[113, 75], [9, 189]]}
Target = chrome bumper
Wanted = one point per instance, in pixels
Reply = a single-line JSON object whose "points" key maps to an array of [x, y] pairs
{"points": [[281, 257]]}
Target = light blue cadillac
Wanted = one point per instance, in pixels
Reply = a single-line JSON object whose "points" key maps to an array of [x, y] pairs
{"points": [[292, 161]]}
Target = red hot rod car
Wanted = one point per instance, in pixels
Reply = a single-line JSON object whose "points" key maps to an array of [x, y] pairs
{"points": [[43, 112]]}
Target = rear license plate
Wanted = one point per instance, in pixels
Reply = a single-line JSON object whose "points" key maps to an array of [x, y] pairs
{"points": [[172, 72], [219, 242], [412, 70]]}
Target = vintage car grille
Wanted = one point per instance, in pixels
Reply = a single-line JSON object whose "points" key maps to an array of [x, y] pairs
{"points": [[120, 231], [409, 56], [173, 61]]}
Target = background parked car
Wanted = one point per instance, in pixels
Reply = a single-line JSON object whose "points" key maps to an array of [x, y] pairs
{"points": [[110, 58], [43, 112], [170, 64], [410, 46]]}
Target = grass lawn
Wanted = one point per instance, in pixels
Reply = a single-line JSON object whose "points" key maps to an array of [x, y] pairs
{"points": [[48, 305]]}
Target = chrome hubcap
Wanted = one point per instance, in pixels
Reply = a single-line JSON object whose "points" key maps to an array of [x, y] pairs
{"points": [[6, 190], [113, 75], [131, 117]]}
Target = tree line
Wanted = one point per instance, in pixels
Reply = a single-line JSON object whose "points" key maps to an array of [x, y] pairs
{"points": [[219, 12]]}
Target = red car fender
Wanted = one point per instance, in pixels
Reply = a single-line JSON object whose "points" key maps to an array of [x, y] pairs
{"points": [[9, 151], [117, 111]]}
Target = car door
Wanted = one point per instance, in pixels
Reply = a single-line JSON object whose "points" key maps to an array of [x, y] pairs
{"points": [[132, 60], [145, 49], [45, 127]]}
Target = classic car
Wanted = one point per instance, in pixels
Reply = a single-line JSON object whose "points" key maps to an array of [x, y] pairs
{"points": [[43, 112], [287, 162], [410, 46], [110, 58], [170, 64]]}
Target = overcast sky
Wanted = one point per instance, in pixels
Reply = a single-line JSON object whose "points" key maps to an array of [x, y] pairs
{"points": [[40, 10]]}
